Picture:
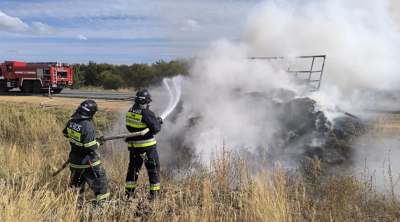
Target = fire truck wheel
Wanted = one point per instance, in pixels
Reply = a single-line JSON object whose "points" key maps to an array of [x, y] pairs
{"points": [[57, 90], [37, 87], [3, 86], [27, 87]]}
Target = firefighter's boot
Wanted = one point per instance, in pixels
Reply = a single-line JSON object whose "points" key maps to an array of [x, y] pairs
{"points": [[154, 194], [130, 194]]}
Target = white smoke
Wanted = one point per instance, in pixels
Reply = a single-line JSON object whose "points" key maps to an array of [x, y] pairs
{"points": [[360, 38]]}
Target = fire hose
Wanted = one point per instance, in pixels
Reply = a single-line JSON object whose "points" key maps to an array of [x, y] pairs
{"points": [[120, 136], [51, 98]]}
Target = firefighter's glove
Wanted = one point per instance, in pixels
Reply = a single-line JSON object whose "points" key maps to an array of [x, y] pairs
{"points": [[160, 120], [127, 139], [101, 140]]}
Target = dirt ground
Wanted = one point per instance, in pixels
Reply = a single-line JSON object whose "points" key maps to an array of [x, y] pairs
{"points": [[69, 103]]}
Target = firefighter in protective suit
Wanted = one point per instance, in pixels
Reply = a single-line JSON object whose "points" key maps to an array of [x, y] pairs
{"points": [[84, 162], [142, 148]]}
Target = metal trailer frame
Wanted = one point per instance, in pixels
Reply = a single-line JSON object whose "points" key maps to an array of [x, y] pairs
{"points": [[310, 71]]}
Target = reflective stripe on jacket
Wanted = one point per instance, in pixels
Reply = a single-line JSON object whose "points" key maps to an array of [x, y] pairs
{"points": [[137, 119], [75, 138], [142, 143]]}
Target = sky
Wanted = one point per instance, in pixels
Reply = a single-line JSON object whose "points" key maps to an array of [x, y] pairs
{"points": [[116, 32]]}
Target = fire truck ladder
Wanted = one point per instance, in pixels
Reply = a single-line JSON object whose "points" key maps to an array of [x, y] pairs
{"points": [[44, 63], [311, 77]]}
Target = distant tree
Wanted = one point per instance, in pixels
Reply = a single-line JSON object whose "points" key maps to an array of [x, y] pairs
{"points": [[110, 80], [123, 76], [140, 75], [180, 66], [122, 71], [78, 75], [162, 69], [92, 76], [159, 70]]}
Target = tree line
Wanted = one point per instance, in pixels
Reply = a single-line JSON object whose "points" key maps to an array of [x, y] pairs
{"points": [[111, 76]]}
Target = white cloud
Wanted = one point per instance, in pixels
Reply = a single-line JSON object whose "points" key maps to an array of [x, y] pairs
{"points": [[190, 26], [38, 28], [170, 19], [12, 24], [81, 37], [73, 9], [15, 25]]}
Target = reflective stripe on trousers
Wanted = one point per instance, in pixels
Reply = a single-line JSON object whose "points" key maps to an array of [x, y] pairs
{"points": [[130, 184], [102, 196], [154, 187]]}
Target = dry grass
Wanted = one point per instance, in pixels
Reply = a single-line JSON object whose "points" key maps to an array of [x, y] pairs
{"points": [[228, 189], [64, 103], [387, 124], [98, 88]]}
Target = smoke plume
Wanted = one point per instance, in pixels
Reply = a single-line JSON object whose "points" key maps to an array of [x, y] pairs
{"points": [[230, 100]]}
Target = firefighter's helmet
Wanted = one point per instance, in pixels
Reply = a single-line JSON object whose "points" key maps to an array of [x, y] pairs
{"points": [[143, 97], [86, 110]]}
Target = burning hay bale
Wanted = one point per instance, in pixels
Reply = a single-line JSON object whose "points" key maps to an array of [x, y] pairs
{"points": [[300, 130]]}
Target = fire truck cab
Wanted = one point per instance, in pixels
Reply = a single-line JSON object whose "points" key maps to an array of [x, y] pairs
{"points": [[35, 77]]}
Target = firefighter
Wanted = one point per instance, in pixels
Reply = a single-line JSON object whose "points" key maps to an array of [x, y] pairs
{"points": [[142, 148], [84, 162]]}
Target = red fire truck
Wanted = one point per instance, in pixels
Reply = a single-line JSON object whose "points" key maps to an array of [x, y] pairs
{"points": [[35, 77]]}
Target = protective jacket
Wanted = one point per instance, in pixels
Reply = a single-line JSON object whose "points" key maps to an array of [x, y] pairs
{"points": [[137, 119], [81, 134]]}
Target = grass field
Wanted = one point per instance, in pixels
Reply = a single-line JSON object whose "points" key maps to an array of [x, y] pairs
{"points": [[32, 147]]}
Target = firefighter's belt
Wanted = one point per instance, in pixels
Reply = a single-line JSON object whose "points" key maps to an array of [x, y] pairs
{"points": [[84, 166]]}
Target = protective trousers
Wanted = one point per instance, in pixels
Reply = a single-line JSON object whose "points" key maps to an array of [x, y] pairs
{"points": [[96, 179], [152, 164]]}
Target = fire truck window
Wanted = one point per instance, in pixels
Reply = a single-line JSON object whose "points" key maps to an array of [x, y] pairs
{"points": [[9, 68], [1, 71]]}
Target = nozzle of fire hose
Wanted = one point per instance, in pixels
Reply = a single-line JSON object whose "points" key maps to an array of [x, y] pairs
{"points": [[160, 120]]}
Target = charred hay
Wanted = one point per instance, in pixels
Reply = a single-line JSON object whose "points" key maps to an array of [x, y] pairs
{"points": [[303, 130]]}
